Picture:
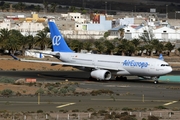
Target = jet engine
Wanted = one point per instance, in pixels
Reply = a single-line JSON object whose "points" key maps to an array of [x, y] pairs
{"points": [[57, 55], [101, 74]]}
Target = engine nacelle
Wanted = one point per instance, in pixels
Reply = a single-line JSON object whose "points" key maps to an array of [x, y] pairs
{"points": [[58, 56], [101, 74]]}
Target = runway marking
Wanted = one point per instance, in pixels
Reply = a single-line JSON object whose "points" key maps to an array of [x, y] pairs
{"points": [[169, 103], [65, 105]]}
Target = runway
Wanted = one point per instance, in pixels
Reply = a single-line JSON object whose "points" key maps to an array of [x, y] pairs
{"points": [[132, 93]]}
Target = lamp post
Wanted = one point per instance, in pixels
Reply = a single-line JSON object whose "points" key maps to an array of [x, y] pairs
{"points": [[106, 7], [166, 11]]}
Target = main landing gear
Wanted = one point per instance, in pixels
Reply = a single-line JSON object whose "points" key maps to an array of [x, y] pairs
{"points": [[155, 80]]}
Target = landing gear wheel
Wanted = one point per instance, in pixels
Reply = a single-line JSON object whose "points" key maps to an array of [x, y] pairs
{"points": [[156, 82]]}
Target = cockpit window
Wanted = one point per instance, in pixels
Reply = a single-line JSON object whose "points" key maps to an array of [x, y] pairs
{"points": [[164, 65]]}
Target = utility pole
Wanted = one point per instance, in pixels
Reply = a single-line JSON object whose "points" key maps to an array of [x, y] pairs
{"points": [[166, 11], [106, 7]]}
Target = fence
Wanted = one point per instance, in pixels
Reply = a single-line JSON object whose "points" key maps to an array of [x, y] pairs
{"points": [[163, 115]]}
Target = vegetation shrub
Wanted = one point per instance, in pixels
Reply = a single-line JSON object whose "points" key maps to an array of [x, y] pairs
{"points": [[160, 107], [127, 109], [128, 117], [55, 90], [71, 89], [64, 111], [39, 111], [101, 91], [50, 88], [94, 114], [102, 112], [40, 90], [63, 91], [18, 94], [153, 118], [91, 110], [6, 92], [31, 84], [6, 80], [76, 110]]}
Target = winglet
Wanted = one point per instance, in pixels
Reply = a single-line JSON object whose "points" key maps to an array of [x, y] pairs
{"points": [[14, 57], [161, 56], [58, 42]]}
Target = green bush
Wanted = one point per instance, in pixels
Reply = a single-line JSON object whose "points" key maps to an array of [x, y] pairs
{"points": [[6, 80], [160, 107], [39, 111], [40, 90], [153, 118], [63, 91], [102, 91], [76, 110], [126, 109], [6, 92], [90, 110], [50, 88], [71, 89], [55, 90]]}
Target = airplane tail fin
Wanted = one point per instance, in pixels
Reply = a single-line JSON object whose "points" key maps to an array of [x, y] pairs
{"points": [[58, 42], [161, 56]]}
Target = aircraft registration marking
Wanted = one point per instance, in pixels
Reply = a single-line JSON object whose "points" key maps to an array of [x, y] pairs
{"points": [[169, 103], [65, 105]]}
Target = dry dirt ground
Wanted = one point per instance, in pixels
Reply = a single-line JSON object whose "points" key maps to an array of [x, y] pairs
{"points": [[7, 63]]}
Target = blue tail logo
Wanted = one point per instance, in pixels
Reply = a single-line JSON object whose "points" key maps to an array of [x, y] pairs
{"points": [[58, 42], [161, 56]]}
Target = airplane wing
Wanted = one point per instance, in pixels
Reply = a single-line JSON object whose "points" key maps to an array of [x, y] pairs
{"points": [[73, 64]]}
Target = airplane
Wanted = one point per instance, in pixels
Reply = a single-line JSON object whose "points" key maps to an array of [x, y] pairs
{"points": [[103, 67]]}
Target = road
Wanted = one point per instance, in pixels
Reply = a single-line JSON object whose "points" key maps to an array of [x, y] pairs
{"points": [[132, 93]]}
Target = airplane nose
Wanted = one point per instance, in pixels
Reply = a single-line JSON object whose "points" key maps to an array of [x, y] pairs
{"points": [[170, 69]]}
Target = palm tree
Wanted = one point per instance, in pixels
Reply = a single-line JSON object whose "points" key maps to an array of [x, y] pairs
{"points": [[98, 46], [141, 49], [21, 6], [4, 36], [136, 43], [106, 34], [158, 46], [76, 45], [14, 42], [108, 47], [123, 47], [37, 8], [115, 43], [53, 7], [45, 3], [87, 45], [169, 47], [31, 41], [42, 40], [179, 50]]}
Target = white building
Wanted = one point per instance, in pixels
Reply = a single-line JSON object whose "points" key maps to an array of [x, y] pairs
{"points": [[32, 28]]}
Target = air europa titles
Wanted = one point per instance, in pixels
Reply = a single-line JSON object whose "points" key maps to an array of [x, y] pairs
{"points": [[135, 63]]}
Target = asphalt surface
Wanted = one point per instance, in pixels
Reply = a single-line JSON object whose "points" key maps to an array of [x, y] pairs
{"points": [[132, 93]]}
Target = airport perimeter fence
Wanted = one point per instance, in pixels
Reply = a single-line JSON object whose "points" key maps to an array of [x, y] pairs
{"points": [[162, 115]]}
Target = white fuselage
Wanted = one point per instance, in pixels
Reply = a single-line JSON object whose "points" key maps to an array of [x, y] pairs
{"points": [[120, 65]]}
